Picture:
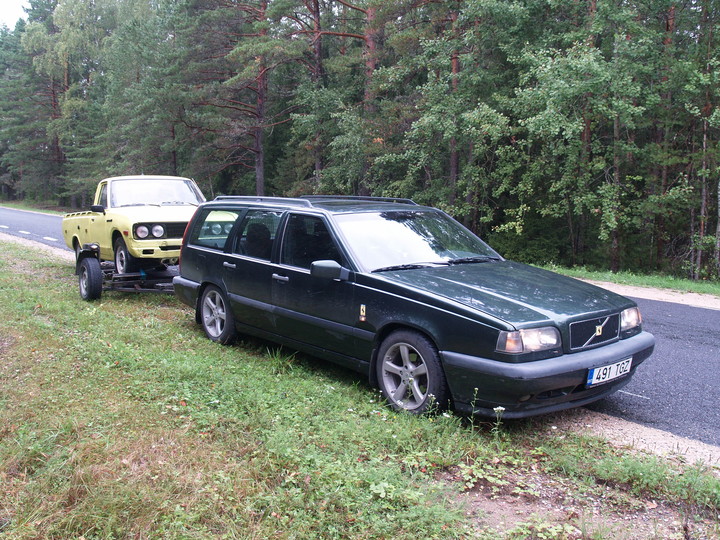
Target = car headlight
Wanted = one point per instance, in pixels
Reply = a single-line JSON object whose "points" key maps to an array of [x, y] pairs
{"points": [[141, 231], [630, 318], [158, 231], [528, 340], [216, 228]]}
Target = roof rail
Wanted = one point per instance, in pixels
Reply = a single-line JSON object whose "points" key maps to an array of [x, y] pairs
{"points": [[252, 198], [357, 198]]}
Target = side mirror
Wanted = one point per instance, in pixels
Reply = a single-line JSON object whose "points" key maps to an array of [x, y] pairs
{"points": [[99, 208], [329, 270]]}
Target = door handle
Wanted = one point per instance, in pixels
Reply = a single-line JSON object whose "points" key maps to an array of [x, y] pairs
{"points": [[231, 266], [278, 277]]}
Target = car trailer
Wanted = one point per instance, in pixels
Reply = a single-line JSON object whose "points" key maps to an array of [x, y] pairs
{"points": [[95, 276]]}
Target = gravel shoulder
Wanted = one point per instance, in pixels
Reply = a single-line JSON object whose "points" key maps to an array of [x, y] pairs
{"points": [[618, 432]]}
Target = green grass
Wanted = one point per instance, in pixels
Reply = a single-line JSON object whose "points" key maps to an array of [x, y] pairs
{"points": [[658, 281], [119, 419], [46, 207]]}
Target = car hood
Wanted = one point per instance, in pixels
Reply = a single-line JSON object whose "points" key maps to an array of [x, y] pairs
{"points": [[515, 293], [152, 213]]}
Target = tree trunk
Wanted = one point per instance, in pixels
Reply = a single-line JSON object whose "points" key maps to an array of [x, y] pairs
{"points": [[318, 76]]}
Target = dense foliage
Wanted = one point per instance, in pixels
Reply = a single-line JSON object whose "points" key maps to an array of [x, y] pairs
{"points": [[571, 131]]}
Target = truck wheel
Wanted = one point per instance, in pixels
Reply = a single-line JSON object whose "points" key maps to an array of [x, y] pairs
{"points": [[124, 262], [90, 279]]}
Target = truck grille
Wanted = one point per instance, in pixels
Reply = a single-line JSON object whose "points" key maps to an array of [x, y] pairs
{"points": [[175, 230], [593, 332]]}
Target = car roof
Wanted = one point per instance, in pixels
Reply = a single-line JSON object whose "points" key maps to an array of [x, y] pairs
{"points": [[144, 177], [333, 204]]}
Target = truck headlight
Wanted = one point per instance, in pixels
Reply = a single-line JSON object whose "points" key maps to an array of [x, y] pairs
{"points": [[141, 231], [528, 340]]}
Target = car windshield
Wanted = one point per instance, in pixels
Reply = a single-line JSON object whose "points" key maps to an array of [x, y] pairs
{"points": [[154, 192], [410, 239]]}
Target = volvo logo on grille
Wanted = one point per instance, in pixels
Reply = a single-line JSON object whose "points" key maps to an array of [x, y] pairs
{"points": [[593, 332]]}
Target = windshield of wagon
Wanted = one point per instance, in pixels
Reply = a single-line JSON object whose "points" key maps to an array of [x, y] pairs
{"points": [[154, 192], [410, 239]]}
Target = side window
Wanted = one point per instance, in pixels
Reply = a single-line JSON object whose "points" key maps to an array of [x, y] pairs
{"points": [[213, 229], [103, 196], [257, 233], [307, 239]]}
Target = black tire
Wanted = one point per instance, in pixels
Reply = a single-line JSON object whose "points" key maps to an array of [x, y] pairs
{"points": [[410, 374], [124, 262], [90, 279], [216, 316]]}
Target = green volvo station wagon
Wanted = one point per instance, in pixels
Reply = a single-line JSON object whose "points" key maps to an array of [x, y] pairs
{"points": [[411, 299]]}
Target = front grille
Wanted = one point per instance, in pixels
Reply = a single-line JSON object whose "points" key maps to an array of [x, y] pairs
{"points": [[175, 230], [593, 332]]}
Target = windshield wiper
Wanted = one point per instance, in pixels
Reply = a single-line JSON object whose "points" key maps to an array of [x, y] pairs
{"points": [[475, 259], [411, 266], [179, 202]]}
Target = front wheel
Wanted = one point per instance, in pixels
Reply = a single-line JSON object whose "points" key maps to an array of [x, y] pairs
{"points": [[410, 373], [90, 279], [216, 317], [124, 262]]}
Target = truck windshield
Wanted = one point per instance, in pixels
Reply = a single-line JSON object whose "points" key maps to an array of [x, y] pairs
{"points": [[410, 239], [154, 192]]}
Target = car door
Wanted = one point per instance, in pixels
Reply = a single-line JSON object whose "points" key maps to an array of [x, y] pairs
{"points": [[247, 269], [98, 231], [310, 310]]}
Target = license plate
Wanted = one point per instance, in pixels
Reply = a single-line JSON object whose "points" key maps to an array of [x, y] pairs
{"points": [[603, 374]]}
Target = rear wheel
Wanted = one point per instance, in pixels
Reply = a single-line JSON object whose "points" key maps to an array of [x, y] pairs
{"points": [[124, 262], [410, 374], [90, 279], [216, 317]]}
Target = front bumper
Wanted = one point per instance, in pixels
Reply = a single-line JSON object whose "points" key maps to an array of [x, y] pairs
{"points": [[478, 385], [155, 249]]}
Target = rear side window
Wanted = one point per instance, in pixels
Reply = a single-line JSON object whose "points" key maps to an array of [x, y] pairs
{"points": [[257, 232], [213, 229]]}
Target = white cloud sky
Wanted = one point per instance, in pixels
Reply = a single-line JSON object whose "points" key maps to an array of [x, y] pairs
{"points": [[11, 11]]}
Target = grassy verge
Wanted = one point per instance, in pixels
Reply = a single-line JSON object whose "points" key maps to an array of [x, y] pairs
{"points": [[46, 207], [118, 419], [658, 281]]}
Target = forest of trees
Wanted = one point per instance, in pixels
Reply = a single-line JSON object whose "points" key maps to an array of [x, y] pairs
{"points": [[580, 132]]}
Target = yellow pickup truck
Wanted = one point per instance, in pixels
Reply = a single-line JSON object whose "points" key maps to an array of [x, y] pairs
{"points": [[137, 221]]}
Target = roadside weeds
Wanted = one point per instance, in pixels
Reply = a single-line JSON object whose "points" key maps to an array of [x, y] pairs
{"points": [[118, 419]]}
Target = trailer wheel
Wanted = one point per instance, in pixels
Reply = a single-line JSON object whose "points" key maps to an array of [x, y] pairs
{"points": [[90, 279]]}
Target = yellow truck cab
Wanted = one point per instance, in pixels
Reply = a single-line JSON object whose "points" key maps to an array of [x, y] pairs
{"points": [[137, 221]]}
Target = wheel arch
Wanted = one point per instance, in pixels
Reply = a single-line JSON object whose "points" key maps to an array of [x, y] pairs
{"points": [[382, 335], [200, 290]]}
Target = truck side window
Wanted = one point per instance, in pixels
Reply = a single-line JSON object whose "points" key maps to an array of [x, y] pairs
{"points": [[103, 200]]}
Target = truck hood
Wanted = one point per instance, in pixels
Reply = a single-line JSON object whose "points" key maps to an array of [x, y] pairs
{"points": [[150, 213], [512, 292]]}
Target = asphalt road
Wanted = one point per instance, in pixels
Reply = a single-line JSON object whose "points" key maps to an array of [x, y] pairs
{"points": [[674, 390], [36, 226]]}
